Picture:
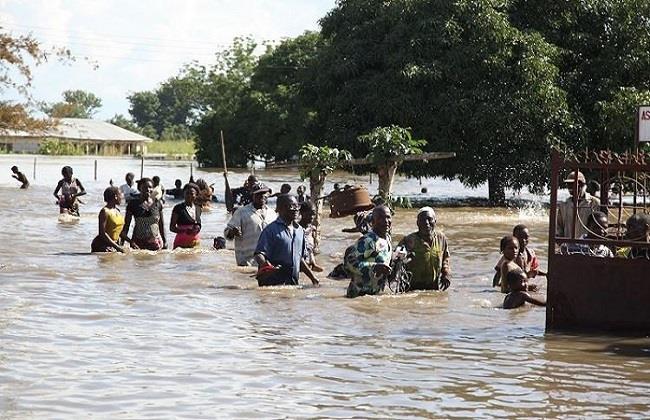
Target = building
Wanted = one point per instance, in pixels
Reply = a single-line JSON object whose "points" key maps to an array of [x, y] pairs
{"points": [[91, 137]]}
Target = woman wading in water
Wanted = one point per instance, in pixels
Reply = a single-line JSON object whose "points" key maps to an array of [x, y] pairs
{"points": [[149, 229], [186, 219], [70, 188], [111, 223]]}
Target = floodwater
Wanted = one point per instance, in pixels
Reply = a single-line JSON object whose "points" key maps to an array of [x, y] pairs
{"points": [[189, 335]]}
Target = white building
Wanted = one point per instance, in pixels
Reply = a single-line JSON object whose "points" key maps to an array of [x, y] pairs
{"points": [[92, 136]]}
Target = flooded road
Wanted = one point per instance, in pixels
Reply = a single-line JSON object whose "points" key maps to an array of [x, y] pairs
{"points": [[187, 334]]}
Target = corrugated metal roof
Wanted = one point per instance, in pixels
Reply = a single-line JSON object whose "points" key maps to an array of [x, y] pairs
{"points": [[83, 129]]}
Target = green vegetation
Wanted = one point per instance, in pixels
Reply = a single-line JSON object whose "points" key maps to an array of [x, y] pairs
{"points": [[59, 148], [170, 148]]}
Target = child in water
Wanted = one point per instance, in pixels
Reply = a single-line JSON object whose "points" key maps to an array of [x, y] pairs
{"points": [[307, 214], [526, 258], [70, 189], [518, 284], [20, 177], [509, 246]]}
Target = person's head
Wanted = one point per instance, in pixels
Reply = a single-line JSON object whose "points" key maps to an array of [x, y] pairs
{"points": [[426, 221], [517, 280], [307, 213], [521, 233], [112, 195], [145, 186], [129, 178], [260, 195], [597, 225], [638, 228], [509, 247], [424, 190], [14, 169], [593, 187], [178, 183], [219, 243], [336, 186], [285, 188], [156, 180], [202, 184], [381, 220], [287, 208], [66, 171], [190, 192], [250, 181], [300, 190], [576, 176]]}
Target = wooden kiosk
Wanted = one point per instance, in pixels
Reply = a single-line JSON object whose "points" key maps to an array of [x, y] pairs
{"points": [[591, 293]]}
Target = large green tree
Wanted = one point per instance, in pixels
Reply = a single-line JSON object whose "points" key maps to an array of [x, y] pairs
{"points": [[76, 103], [604, 61], [458, 73]]}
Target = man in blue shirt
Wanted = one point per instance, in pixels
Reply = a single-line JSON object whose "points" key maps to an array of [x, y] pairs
{"points": [[281, 248]]}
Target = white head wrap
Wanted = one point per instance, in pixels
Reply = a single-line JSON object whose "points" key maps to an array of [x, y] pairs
{"points": [[427, 209]]}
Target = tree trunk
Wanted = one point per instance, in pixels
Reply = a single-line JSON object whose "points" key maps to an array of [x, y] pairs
{"points": [[386, 174], [316, 183], [496, 191]]}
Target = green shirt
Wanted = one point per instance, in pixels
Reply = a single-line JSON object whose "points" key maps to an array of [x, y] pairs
{"points": [[426, 265]]}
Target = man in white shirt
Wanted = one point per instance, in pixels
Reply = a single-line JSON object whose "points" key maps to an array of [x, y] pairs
{"points": [[247, 224], [129, 192]]}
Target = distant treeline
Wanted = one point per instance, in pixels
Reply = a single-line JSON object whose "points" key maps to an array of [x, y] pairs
{"points": [[497, 82]]}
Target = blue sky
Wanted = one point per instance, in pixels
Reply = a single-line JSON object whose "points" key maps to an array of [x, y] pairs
{"points": [[138, 44]]}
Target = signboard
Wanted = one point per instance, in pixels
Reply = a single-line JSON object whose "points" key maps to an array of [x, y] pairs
{"points": [[643, 129]]}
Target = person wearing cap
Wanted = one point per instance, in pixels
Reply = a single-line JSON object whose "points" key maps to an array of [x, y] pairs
{"points": [[585, 204], [186, 219], [281, 250], [247, 223], [368, 263], [430, 262], [242, 196]]}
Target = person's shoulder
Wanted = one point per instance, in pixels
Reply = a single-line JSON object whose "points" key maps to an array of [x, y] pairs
{"points": [[179, 206]]}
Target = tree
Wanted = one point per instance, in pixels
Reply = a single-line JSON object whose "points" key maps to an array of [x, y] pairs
{"points": [[387, 145], [17, 56], [604, 62], [144, 109], [316, 163], [458, 73], [76, 104], [225, 85], [122, 121]]}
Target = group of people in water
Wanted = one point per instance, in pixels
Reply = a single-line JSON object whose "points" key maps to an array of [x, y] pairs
{"points": [[281, 243]]}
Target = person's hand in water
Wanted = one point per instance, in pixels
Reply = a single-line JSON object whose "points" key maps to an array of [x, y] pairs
{"points": [[444, 282]]}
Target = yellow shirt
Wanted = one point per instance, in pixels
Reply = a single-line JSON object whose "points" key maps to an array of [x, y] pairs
{"points": [[114, 223]]}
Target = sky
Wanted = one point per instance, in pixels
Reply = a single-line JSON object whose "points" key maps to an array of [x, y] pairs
{"points": [[129, 46]]}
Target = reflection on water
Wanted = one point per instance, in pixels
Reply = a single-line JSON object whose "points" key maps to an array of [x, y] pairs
{"points": [[188, 334]]}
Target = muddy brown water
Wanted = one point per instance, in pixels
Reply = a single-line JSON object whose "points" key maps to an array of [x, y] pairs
{"points": [[189, 335]]}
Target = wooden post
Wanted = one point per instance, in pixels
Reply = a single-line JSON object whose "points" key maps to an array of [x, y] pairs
{"points": [[34, 177], [142, 166], [227, 193], [95, 169], [191, 170]]}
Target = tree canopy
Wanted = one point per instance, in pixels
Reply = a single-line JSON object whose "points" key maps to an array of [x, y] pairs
{"points": [[76, 104]]}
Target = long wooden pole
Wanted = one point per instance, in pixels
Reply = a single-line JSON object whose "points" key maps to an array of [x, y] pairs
{"points": [[34, 177], [230, 204], [142, 167]]}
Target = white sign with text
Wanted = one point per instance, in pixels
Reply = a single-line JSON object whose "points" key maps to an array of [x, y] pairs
{"points": [[644, 124]]}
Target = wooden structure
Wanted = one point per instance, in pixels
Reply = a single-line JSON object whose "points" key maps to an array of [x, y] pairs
{"points": [[591, 293], [92, 137]]}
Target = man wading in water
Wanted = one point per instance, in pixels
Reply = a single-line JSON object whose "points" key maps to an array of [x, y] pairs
{"points": [[282, 248], [369, 261], [430, 262]]}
